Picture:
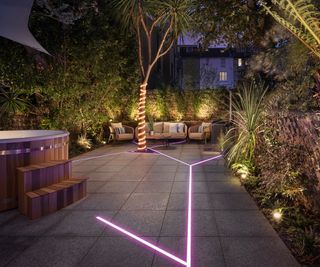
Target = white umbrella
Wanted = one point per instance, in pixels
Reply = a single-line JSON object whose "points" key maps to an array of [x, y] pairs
{"points": [[14, 18]]}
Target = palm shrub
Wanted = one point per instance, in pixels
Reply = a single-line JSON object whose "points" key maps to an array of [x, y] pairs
{"points": [[301, 18], [11, 102], [247, 122], [143, 18]]}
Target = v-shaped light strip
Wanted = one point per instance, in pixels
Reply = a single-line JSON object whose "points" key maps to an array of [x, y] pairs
{"points": [[186, 262]]}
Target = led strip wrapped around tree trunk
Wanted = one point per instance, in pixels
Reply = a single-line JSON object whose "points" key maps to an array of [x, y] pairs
{"points": [[142, 118]]}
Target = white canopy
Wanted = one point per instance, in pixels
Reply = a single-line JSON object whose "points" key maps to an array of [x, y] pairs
{"points": [[14, 18]]}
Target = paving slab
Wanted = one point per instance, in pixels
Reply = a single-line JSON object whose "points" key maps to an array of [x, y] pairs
{"points": [[117, 251], [141, 222], [12, 247], [147, 201], [54, 251], [257, 251], [80, 223], [147, 194]]}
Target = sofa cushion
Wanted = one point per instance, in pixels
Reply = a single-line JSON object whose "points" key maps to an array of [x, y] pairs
{"points": [[158, 127], [198, 136], [166, 127], [207, 125], [173, 128], [125, 136], [178, 136], [204, 126], [180, 127]]}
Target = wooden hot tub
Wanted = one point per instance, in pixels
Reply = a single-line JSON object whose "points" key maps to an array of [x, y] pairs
{"points": [[22, 148]]}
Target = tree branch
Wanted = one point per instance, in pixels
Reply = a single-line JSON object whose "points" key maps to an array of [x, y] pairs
{"points": [[168, 48], [162, 43], [144, 25], [140, 48], [155, 23]]}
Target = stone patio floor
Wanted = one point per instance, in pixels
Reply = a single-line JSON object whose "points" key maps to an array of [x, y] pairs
{"points": [[147, 193]]}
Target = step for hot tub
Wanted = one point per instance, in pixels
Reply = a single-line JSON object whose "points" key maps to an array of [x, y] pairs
{"points": [[49, 199], [52, 175], [43, 174]]}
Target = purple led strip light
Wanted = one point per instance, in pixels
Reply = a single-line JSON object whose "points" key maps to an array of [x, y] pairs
{"points": [[189, 225], [143, 241], [101, 156]]}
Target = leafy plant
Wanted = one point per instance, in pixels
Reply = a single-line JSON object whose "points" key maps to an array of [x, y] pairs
{"points": [[247, 122], [11, 102], [301, 18], [84, 142]]}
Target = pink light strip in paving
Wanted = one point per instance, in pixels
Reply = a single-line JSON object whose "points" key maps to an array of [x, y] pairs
{"points": [[206, 160], [189, 223], [189, 231], [139, 239], [101, 156], [165, 155]]}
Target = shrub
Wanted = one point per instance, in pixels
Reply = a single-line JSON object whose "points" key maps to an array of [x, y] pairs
{"points": [[247, 122]]}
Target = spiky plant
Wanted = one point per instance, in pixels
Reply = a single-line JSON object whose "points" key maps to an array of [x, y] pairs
{"points": [[11, 102], [301, 18], [143, 17], [247, 121]]}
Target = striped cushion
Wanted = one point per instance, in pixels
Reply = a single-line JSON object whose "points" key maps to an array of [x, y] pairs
{"points": [[120, 130]]}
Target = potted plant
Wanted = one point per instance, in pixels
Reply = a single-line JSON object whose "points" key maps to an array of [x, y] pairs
{"points": [[151, 122]]}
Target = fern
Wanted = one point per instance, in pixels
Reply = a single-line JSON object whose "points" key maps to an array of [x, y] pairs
{"points": [[301, 18]]}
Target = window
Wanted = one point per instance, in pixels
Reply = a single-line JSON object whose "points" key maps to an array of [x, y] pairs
{"points": [[240, 63], [223, 76], [223, 62]]}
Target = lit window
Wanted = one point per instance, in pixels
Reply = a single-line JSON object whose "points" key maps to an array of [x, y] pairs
{"points": [[223, 76], [240, 62]]}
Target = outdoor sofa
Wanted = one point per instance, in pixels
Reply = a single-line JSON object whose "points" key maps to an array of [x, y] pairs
{"points": [[166, 130]]}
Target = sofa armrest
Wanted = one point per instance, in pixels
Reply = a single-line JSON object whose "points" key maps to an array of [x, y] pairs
{"points": [[111, 129], [185, 129], [128, 129]]}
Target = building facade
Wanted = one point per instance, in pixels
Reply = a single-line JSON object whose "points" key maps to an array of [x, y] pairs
{"points": [[197, 69]]}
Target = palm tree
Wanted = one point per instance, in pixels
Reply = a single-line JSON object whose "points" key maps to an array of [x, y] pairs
{"points": [[172, 18]]}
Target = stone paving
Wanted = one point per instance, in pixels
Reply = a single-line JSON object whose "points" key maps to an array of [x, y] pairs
{"points": [[147, 193]]}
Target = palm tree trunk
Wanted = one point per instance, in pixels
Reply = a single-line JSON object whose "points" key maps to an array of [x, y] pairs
{"points": [[142, 118]]}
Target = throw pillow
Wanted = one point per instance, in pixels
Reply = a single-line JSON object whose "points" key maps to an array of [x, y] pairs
{"points": [[207, 126], [116, 125], [166, 127], [173, 128], [120, 130], [180, 127], [200, 129], [157, 127]]}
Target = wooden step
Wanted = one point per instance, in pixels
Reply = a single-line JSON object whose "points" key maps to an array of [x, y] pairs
{"points": [[37, 176], [52, 198]]}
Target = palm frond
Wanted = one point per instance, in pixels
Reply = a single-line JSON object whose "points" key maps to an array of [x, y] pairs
{"points": [[301, 18]]}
